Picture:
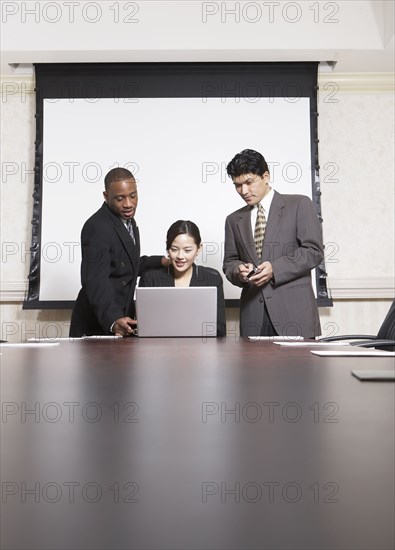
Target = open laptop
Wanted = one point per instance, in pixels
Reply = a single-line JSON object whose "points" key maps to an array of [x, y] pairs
{"points": [[176, 311]]}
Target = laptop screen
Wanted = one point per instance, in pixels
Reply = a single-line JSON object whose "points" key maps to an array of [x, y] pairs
{"points": [[176, 311]]}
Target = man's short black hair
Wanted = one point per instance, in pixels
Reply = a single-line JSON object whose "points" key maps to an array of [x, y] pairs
{"points": [[117, 174], [247, 162]]}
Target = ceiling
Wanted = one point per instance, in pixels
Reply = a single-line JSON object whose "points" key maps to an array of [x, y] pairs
{"points": [[352, 35]]}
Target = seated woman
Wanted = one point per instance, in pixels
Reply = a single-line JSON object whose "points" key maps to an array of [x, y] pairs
{"points": [[183, 244]]}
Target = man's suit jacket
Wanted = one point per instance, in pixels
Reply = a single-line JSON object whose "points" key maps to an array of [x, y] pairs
{"points": [[201, 276], [110, 266], [293, 245]]}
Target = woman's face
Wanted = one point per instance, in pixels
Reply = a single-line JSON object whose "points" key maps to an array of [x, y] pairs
{"points": [[183, 252]]}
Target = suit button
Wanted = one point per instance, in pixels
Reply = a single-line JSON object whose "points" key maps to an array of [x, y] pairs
{"points": [[261, 299], [124, 283], [122, 264]]}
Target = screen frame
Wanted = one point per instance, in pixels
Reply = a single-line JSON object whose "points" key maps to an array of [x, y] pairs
{"points": [[139, 80]]}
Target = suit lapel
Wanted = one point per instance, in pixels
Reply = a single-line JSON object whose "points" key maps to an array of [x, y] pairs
{"points": [[245, 233], [166, 277], [273, 224], [132, 250], [136, 233]]}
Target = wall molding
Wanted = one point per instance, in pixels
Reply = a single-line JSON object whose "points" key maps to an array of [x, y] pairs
{"points": [[12, 85], [340, 289], [13, 291], [362, 288], [366, 83]]}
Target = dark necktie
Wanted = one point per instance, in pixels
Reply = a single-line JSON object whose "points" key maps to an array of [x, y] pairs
{"points": [[260, 227], [129, 227]]}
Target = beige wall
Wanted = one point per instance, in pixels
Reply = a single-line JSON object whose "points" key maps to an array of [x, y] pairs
{"points": [[356, 131]]}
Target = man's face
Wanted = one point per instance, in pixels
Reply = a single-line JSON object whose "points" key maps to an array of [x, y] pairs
{"points": [[251, 187], [122, 198]]}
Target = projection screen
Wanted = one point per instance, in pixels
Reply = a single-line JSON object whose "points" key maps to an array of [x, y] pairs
{"points": [[175, 127]]}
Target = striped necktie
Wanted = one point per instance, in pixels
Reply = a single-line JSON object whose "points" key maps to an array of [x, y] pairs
{"points": [[260, 227], [129, 227]]}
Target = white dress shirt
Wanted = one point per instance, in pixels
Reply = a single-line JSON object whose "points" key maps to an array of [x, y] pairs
{"points": [[265, 202]]}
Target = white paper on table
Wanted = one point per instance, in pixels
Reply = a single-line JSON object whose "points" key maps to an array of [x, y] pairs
{"points": [[29, 345], [277, 338], [357, 353], [52, 340], [101, 337], [311, 344]]}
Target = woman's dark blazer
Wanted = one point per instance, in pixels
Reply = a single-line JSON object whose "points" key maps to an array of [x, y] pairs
{"points": [[201, 276]]}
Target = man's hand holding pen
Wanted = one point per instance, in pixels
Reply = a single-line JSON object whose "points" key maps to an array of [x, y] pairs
{"points": [[258, 276]]}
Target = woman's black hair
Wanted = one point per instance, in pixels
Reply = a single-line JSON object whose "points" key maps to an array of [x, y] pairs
{"points": [[183, 227]]}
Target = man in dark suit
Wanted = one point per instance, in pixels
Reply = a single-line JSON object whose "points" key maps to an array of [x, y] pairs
{"points": [[111, 262], [275, 275]]}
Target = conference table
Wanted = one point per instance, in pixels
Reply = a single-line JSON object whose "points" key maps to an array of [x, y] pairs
{"points": [[194, 444]]}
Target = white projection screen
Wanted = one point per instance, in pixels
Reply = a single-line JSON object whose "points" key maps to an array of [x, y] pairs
{"points": [[175, 127]]}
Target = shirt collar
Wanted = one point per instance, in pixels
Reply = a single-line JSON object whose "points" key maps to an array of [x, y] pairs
{"points": [[267, 200]]}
